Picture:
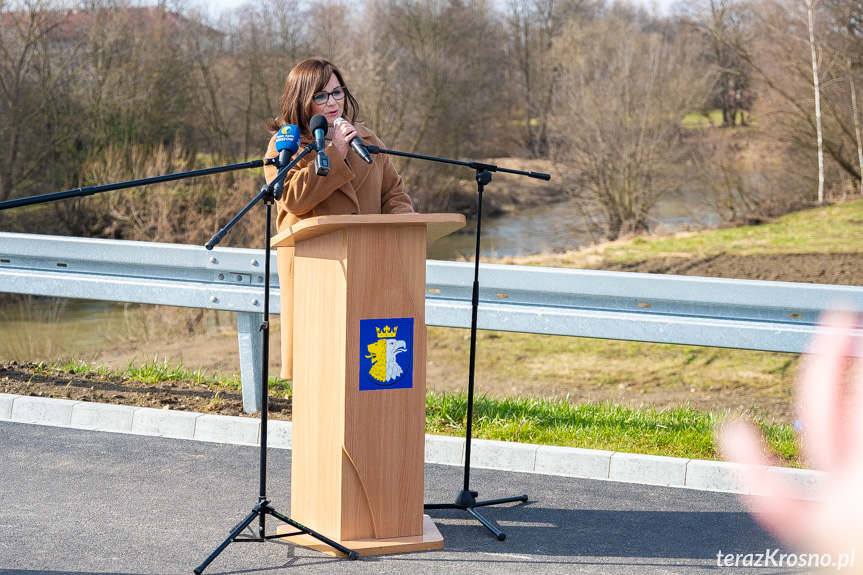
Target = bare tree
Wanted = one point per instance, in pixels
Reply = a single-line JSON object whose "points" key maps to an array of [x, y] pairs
{"points": [[136, 77], [37, 61], [782, 60], [618, 116], [333, 37], [722, 26], [810, 15], [856, 116], [429, 80], [532, 26], [263, 42]]}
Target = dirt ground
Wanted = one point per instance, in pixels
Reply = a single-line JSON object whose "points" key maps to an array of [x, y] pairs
{"points": [[35, 380], [218, 353], [838, 269]]}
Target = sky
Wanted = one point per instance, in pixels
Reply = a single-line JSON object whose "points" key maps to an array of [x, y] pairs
{"points": [[217, 6]]}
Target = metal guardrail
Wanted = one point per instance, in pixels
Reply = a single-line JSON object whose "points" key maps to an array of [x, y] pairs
{"points": [[714, 312], [744, 314], [226, 279]]}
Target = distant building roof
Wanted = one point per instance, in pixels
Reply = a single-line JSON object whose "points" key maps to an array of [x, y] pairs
{"points": [[70, 24]]}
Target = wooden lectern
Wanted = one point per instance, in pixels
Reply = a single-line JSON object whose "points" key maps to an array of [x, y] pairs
{"points": [[359, 379]]}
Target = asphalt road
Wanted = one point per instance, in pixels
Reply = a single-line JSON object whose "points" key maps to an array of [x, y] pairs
{"points": [[74, 501]]}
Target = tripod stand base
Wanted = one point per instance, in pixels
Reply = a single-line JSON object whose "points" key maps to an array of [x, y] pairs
{"points": [[466, 500], [261, 510], [429, 540]]}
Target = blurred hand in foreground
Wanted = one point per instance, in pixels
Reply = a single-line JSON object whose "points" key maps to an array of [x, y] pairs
{"points": [[830, 409]]}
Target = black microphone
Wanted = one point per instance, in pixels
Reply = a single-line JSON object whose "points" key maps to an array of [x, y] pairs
{"points": [[318, 126], [357, 145]]}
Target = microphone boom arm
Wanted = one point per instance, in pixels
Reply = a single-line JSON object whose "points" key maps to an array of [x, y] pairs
{"points": [[267, 190], [478, 166], [91, 190]]}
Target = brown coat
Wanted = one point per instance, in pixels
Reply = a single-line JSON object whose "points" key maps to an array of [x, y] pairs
{"points": [[352, 187]]}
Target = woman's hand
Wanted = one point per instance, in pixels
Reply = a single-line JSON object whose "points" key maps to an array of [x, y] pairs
{"points": [[830, 410], [343, 133]]}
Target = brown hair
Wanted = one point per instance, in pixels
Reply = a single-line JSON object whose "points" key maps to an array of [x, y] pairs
{"points": [[307, 78]]}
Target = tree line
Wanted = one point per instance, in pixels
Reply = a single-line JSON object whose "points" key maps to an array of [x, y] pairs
{"points": [[750, 106]]}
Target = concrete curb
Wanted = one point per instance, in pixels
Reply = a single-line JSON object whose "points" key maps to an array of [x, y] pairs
{"points": [[542, 459]]}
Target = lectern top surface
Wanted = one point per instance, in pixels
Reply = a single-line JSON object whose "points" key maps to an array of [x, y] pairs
{"points": [[437, 225]]}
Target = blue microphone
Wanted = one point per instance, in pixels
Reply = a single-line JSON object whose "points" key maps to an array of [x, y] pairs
{"points": [[287, 143]]}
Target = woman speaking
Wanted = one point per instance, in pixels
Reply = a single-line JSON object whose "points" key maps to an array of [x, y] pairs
{"points": [[316, 86]]}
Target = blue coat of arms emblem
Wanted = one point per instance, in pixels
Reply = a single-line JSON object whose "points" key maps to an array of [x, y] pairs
{"points": [[386, 353]]}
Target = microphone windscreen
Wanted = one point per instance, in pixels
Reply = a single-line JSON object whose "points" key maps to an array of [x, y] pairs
{"points": [[288, 138], [318, 122]]}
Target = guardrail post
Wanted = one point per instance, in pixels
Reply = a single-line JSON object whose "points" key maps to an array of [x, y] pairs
{"points": [[251, 341]]}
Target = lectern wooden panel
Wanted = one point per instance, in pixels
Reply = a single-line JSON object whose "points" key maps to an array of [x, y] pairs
{"points": [[358, 447]]}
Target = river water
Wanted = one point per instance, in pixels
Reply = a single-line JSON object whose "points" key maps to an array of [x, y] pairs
{"points": [[44, 329], [559, 227]]}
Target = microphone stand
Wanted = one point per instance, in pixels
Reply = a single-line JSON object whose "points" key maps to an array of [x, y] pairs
{"points": [[466, 498], [269, 193]]}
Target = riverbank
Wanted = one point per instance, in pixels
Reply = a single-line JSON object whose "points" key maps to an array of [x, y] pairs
{"points": [[819, 245]]}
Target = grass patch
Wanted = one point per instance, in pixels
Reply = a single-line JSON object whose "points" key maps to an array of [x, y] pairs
{"points": [[155, 372], [591, 393], [705, 119], [712, 119], [679, 432], [75, 366], [831, 229]]}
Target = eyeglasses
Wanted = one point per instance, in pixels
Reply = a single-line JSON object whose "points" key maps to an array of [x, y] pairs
{"points": [[321, 98]]}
